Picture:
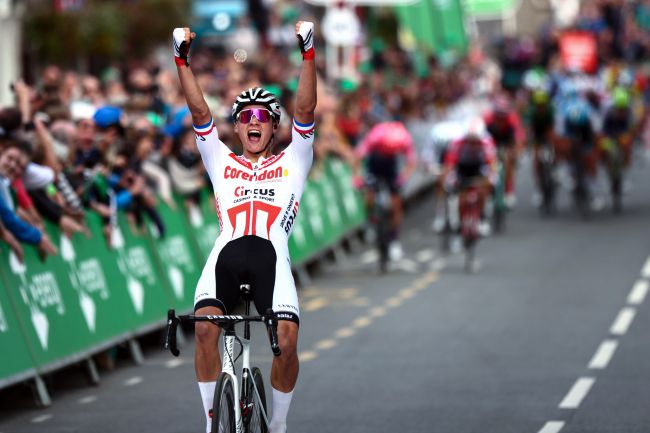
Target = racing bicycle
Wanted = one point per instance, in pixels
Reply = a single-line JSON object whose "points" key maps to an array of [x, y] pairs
{"points": [[499, 207], [546, 172], [614, 162], [239, 400], [470, 216]]}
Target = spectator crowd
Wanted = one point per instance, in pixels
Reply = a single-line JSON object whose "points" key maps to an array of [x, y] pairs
{"points": [[76, 144]]}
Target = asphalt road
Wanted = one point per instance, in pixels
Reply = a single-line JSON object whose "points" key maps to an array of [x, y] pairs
{"points": [[550, 335]]}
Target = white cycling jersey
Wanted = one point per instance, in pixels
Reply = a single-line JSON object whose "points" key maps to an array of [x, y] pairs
{"points": [[259, 199]]}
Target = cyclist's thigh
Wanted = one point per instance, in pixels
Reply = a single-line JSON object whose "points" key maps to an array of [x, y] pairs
{"points": [[284, 297], [205, 293]]}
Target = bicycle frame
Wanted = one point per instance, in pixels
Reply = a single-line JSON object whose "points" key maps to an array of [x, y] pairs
{"points": [[228, 358]]}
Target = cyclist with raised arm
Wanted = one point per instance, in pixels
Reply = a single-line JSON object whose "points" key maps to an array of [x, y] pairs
{"points": [[381, 148], [257, 196]]}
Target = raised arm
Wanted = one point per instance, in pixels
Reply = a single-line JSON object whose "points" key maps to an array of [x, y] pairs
{"points": [[183, 38], [306, 92]]}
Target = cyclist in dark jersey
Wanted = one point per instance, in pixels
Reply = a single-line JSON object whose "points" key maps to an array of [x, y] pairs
{"points": [[504, 125], [541, 120]]}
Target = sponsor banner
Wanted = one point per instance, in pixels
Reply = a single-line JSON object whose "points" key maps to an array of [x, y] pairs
{"points": [[350, 199], [302, 243], [19, 364], [181, 259], [65, 304], [331, 207], [579, 50], [140, 264]]}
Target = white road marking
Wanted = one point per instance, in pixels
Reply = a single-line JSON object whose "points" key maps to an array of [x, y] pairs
{"points": [[552, 427], [623, 321], [646, 269], [325, 344], [407, 293], [315, 304], [42, 418], [309, 355], [638, 292], [173, 363], [604, 354], [133, 381], [88, 399], [344, 333], [377, 312], [393, 302], [370, 256], [577, 393], [361, 322], [425, 255], [439, 264], [407, 265]]}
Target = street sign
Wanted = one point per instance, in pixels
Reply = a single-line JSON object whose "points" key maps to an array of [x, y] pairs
{"points": [[363, 2], [5, 9], [341, 26]]}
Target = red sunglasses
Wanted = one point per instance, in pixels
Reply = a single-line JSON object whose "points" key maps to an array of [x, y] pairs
{"points": [[261, 114]]}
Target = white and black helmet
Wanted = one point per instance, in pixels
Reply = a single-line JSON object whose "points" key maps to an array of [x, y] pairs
{"points": [[257, 96]]}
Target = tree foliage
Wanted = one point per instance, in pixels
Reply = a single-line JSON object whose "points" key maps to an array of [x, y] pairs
{"points": [[100, 31]]}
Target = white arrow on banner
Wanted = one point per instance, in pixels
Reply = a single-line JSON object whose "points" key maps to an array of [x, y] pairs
{"points": [[41, 325], [176, 278], [67, 250], [3, 321], [136, 291], [89, 310]]}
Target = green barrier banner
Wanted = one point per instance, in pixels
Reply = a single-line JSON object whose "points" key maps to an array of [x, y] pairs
{"points": [[149, 294], [203, 221], [302, 243], [336, 223], [57, 300], [181, 261], [354, 210], [19, 363]]}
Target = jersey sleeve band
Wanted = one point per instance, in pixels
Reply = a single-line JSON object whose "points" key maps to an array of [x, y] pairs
{"points": [[204, 129]]}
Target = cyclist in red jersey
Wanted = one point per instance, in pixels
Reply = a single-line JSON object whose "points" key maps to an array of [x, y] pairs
{"points": [[257, 197], [472, 160], [508, 133], [381, 148]]}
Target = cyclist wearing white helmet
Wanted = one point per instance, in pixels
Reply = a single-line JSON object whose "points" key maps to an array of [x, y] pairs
{"points": [[257, 197]]}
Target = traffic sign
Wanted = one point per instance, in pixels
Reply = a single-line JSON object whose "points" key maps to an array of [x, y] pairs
{"points": [[341, 26], [363, 2]]}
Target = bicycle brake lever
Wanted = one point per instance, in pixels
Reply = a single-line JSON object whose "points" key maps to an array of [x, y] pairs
{"points": [[272, 326], [170, 335]]}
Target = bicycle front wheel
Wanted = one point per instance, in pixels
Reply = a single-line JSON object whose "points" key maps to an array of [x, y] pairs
{"points": [[255, 407], [223, 407]]}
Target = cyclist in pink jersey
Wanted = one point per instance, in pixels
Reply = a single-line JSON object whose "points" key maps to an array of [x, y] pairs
{"points": [[381, 148], [258, 195]]}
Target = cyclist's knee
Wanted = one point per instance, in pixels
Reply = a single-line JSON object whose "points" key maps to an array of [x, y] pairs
{"points": [[288, 337], [207, 333]]}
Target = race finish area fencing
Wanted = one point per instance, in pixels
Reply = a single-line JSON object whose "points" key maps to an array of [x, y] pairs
{"points": [[91, 297]]}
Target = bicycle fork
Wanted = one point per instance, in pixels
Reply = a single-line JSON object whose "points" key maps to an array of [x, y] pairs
{"points": [[228, 367]]}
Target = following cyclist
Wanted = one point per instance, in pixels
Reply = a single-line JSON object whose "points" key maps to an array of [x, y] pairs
{"points": [[618, 125], [381, 148], [541, 119], [257, 196], [471, 161], [578, 127], [504, 125]]}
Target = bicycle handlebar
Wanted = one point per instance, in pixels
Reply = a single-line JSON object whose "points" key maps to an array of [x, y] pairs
{"points": [[269, 319]]}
